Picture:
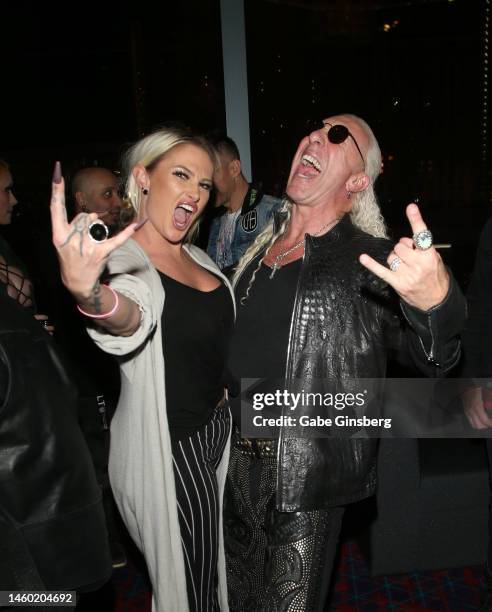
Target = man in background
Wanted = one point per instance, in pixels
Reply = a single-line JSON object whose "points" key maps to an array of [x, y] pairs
{"points": [[96, 190], [247, 209]]}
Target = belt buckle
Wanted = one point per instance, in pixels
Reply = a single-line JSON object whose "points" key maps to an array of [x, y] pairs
{"points": [[263, 447], [256, 447], [246, 446]]}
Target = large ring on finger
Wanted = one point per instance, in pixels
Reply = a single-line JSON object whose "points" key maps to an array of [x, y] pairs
{"points": [[98, 231], [423, 240], [395, 264]]}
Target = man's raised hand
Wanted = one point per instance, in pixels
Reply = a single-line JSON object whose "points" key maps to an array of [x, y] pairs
{"points": [[418, 276]]}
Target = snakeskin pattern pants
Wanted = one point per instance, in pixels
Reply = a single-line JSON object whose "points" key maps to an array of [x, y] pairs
{"points": [[276, 561]]}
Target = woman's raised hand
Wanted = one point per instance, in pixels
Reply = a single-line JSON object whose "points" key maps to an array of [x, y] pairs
{"points": [[82, 260]]}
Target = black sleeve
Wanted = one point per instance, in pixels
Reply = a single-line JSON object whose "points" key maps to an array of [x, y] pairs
{"points": [[430, 340], [4, 377]]}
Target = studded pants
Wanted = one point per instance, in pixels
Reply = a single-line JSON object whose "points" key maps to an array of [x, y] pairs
{"points": [[276, 561]]}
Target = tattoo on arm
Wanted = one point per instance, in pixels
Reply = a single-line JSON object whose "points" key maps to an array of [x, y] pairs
{"points": [[96, 297], [80, 227]]}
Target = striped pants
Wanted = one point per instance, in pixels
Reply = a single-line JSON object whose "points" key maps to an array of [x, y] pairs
{"points": [[195, 461]]}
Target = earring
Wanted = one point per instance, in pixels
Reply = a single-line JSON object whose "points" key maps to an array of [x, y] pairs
{"points": [[349, 194], [145, 191]]}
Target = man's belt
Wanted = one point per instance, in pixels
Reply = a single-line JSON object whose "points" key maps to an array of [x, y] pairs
{"points": [[262, 448]]}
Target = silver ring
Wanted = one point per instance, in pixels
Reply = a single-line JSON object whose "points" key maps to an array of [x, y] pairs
{"points": [[423, 240], [395, 263], [46, 323], [98, 231]]}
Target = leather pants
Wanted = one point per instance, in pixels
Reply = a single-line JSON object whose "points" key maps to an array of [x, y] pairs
{"points": [[276, 561]]}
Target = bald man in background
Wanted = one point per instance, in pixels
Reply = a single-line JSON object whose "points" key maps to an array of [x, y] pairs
{"points": [[95, 190]]}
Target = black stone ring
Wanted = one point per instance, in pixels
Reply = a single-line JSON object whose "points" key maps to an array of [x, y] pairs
{"points": [[98, 231]]}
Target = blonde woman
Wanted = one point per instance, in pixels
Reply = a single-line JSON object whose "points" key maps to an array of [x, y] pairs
{"points": [[166, 313]]}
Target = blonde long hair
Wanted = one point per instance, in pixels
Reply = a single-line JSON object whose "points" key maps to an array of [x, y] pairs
{"points": [[149, 151], [364, 214]]}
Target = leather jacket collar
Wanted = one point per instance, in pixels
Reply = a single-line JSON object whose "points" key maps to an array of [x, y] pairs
{"points": [[339, 232]]}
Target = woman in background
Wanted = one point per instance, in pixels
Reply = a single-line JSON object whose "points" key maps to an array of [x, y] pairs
{"points": [[14, 278], [13, 274]]}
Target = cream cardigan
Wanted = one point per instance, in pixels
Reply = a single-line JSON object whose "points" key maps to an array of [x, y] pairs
{"points": [[140, 464]]}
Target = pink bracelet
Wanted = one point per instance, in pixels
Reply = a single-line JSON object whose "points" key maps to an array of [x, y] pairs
{"points": [[105, 315]]}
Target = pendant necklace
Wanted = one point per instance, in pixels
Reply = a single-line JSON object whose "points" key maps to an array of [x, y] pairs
{"points": [[277, 264]]}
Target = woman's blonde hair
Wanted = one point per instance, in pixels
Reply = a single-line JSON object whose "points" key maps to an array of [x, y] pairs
{"points": [[149, 151], [364, 214], [265, 239]]}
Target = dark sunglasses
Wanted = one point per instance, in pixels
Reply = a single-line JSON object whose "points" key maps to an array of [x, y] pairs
{"points": [[338, 134]]}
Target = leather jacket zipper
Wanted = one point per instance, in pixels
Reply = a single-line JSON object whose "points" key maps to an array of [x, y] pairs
{"points": [[430, 354], [288, 376]]}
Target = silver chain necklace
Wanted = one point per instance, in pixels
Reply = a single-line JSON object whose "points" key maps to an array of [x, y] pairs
{"points": [[277, 264]]}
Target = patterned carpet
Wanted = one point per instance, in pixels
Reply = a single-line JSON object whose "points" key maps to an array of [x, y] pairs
{"points": [[453, 590]]}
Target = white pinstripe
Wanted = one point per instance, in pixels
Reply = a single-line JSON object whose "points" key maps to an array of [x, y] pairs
{"points": [[197, 494], [184, 518], [200, 458], [210, 513], [189, 501], [203, 518], [190, 573]]}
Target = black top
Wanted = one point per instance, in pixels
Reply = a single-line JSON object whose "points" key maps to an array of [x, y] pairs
{"points": [[14, 279], [196, 328], [261, 335]]}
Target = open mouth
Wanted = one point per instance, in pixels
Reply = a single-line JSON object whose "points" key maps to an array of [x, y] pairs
{"points": [[309, 160], [183, 214], [309, 167]]}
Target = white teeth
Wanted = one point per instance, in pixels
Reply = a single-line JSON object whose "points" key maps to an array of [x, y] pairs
{"points": [[308, 159], [187, 207]]}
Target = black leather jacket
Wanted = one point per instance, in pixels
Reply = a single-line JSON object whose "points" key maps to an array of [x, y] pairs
{"points": [[344, 323], [52, 528]]}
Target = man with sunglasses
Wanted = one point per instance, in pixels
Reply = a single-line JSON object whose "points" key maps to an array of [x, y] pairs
{"points": [[321, 301]]}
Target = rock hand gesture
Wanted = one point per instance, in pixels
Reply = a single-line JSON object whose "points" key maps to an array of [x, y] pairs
{"points": [[83, 250], [416, 271]]}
